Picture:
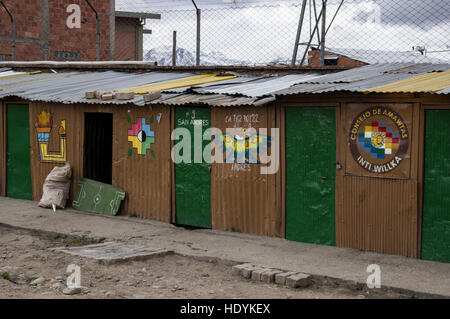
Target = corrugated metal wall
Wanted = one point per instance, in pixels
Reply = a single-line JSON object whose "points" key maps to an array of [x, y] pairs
{"points": [[244, 200], [144, 178], [376, 211], [378, 215], [74, 116]]}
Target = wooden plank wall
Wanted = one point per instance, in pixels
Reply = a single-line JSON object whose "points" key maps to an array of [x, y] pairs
{"points": [[244, 201], [145, 180]]}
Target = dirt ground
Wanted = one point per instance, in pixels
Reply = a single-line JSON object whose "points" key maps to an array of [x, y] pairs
{"points": [[25, 256]]}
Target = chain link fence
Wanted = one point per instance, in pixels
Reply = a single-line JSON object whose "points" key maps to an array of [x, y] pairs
{"points": [[358, 32]]}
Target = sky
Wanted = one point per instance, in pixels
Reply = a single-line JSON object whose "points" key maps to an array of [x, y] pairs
{"points": [[259, 30]]}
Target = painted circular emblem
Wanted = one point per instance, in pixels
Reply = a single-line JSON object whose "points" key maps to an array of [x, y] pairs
{"points": [[379, 139]]}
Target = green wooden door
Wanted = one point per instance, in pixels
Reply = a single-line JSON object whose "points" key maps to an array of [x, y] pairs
{"points": [[436, 207], [193, 179], [310, 174], [18, 172]]}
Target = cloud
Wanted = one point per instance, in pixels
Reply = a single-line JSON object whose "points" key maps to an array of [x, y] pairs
{"points": [[423, 14], [262, 34]]}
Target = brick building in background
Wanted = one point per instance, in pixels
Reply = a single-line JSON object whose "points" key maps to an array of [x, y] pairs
{"points": [[332, 58], [129, 40], [32, 30]]}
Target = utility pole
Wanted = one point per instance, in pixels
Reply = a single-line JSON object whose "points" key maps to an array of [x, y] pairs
{"points": [[174, 49], [322, 42], [311, 37], [197, 53], [299, 31]]}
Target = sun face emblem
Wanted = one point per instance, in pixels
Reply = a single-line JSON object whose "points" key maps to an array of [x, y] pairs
{"points": [[378, 140]]}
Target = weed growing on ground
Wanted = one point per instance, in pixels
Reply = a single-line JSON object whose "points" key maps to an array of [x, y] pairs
{"points": [[6, 276], [30, 279]]}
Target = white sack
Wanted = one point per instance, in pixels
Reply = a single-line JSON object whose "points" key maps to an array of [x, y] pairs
{"points": [[56, 187]]}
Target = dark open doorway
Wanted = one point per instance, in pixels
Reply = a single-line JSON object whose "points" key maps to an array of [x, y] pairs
{"points": [[98, 135]]}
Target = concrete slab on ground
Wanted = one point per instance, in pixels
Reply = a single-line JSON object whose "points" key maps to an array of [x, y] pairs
{"points": [[114, 252]]}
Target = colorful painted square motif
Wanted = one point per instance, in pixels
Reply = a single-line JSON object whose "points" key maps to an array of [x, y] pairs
{"points": [[141, 136], [378, 140]]}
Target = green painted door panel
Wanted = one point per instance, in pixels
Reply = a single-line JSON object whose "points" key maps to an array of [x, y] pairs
{"points": [[310, 174], [193, 180], [436, 208], [18, 172]]}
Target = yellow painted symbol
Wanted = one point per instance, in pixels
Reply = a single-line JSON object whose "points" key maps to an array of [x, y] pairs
{"points": [[43, 131]]}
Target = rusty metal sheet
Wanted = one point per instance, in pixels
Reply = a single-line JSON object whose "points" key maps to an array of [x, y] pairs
{"points": [[378, 215], [242, 199], [144, 178]]}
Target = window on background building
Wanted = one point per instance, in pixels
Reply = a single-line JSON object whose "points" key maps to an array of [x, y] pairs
{"points": [[331, 60]]}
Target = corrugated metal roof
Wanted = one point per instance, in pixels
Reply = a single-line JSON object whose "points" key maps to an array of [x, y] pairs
{"points": [[246, 90], [358, 74], [179, 83], [6, 73], [428, 82], [236, 80], [211, 99], [369, 77], [258, 87], [71, 88], [420, 68], [444, 91]]}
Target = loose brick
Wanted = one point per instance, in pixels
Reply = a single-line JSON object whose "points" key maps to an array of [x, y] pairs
{"points": [[256, 274], [90, 95], [281, 277], [151, 96], [107, 96], [237, 269], [247, 271], [298, 280], [124, 95], [269, 275]]}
